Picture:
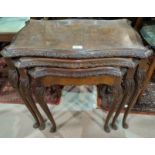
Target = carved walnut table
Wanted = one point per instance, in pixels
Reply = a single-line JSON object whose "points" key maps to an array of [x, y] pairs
{"points": [[77, 52]]}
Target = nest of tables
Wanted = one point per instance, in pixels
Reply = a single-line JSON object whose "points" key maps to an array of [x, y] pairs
{"points": [[108, 54]]}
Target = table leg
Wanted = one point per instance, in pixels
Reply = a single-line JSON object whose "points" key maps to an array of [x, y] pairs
{"points": [[25, 89], [115, 92], [140, 77], [128, 88], [39, 95], [14, 81]]}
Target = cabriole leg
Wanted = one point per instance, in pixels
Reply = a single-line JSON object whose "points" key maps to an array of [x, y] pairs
{"points": [[25, 89], [14, 81], [39, 95], [115, 92], [140, 77]]}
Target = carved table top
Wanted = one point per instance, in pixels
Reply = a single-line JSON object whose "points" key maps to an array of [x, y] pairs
{"points": [[77, 39]]}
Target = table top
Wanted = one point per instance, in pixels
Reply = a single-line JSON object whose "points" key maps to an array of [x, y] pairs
{"points": [[77, 39]]}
